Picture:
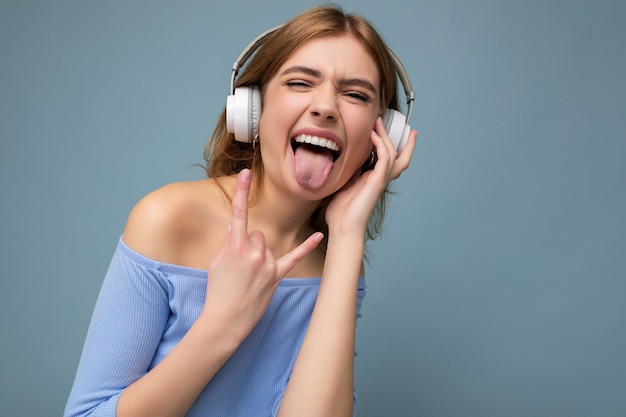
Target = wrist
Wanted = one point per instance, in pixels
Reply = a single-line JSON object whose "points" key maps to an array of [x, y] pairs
{"points": [[346, 245], [353, 236], [214, 331]]}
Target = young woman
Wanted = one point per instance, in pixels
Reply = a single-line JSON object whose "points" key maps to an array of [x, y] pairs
{"points": [[238, 295]]}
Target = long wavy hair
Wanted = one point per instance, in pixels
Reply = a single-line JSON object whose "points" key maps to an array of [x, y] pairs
{"points": [[225, 156]]}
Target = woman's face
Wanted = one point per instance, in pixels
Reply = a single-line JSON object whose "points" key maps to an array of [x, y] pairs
{"points": [[317, 116]]}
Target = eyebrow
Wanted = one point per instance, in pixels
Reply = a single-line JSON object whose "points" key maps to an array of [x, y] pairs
{"points": [[345, 81]]}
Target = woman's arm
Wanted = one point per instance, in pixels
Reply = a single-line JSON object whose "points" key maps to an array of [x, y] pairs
{"points": [[171, 388], [322, 380], [123, 335], [321, 383]]}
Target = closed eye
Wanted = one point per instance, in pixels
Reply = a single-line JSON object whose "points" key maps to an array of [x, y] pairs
{"points": [[359, 96], [297, 84]]}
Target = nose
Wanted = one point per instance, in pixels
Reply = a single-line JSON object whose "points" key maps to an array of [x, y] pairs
{"points": [[324, 104]]}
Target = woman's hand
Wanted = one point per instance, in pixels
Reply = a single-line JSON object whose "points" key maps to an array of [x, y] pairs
{"points": [[244, 274], [350, 209]]}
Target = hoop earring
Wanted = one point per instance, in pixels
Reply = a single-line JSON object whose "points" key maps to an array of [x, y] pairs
{"points": [[255, 142], [372, 159]]}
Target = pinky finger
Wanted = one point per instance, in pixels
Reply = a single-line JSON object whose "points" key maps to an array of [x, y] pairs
{"points": [[291, 259]]}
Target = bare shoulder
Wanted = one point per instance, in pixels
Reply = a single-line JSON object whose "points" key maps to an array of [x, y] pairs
{"points": [[168, 220]]}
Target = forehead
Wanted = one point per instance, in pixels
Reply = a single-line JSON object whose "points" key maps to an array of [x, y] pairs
{"points": [[343, 55]]}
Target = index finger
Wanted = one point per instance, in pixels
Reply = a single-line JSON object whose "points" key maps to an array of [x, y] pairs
{"points": [[239, 205], [407, 153], [404, 159]]}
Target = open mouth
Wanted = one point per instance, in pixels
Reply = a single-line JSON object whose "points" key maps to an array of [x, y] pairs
{"points": [[316, 144]]}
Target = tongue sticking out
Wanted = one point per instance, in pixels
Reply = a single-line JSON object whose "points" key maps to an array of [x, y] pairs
{"points": [[312, 166]]}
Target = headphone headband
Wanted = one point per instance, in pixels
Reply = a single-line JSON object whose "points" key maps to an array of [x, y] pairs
{"points": [[247, 53]]}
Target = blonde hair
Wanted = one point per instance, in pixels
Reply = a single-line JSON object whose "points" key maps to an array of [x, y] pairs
{"points": [[225, 156]]}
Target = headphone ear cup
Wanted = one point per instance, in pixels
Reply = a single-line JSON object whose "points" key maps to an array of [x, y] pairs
{"points": [[243, 111], [396, 128]]}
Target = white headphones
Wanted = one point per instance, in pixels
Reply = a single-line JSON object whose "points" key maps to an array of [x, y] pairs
{"points": [[243, 105]]}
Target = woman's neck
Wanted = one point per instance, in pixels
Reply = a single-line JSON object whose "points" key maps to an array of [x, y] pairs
{"points": [[284, 220]]}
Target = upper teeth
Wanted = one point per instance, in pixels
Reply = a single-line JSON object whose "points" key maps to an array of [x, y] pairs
{"points": [[317, 141]]}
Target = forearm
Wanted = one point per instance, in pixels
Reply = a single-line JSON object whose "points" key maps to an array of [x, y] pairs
{"points": [[322, 380], [171, 388]]}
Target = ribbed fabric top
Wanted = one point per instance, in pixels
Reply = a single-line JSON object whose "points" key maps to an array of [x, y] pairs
{"points": [[143, 310]]}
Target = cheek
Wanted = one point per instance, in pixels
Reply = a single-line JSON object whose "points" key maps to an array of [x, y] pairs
{"points": [[361, 127], [361, 152], [281, 112]]}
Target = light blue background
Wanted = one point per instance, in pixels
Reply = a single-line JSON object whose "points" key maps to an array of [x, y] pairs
{"points": [[499, 286]]}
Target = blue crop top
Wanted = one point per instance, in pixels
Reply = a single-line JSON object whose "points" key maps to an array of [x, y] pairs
{"points": [[144, 309]]}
